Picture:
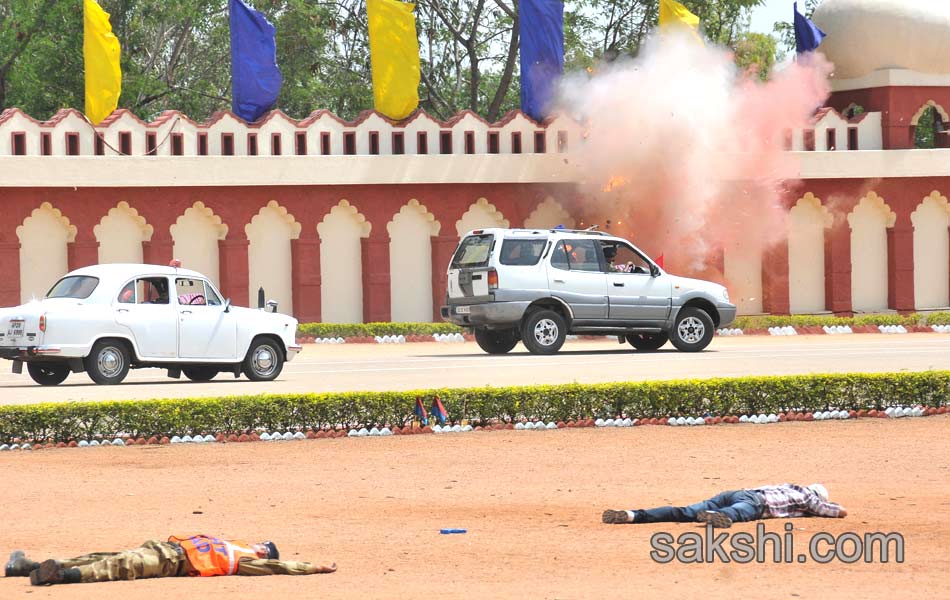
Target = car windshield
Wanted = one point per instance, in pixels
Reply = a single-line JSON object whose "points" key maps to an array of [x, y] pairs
{"points": [[473, 251], [76, 286]]}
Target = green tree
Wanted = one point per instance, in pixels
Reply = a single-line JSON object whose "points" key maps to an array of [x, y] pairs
{"points": [[175, 53], [756, 52]]}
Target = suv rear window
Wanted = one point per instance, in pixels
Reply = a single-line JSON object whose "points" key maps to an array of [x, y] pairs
{"points": [[522, 252], [473, 251], [76, 286]]}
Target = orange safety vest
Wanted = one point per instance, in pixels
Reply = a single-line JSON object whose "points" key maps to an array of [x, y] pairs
{"points": [[210, 556]]}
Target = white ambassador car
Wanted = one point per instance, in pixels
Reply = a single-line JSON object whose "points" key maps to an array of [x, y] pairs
{"points": [[106, 319]]}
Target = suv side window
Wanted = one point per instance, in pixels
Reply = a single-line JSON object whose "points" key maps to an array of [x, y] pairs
{"points": [[522, 252], [621, 258], [577, 255]]}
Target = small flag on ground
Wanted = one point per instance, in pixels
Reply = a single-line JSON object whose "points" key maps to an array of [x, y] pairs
{"points": [[420, 412], [438, 411]]}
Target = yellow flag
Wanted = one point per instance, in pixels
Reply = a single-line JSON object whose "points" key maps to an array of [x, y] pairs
{"points": [[674, 14], [394, 56], [100, 51]]}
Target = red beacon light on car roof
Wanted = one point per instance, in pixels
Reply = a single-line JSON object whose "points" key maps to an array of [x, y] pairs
{"points": [[478, 232], [175, 262]]}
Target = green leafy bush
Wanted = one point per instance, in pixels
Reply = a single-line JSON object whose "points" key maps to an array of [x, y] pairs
{"points": [[766, 321], [345, 330], [937, 318], [696, 397]]}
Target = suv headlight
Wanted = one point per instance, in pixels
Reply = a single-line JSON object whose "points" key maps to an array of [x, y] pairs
{"points": [[725, 294]]}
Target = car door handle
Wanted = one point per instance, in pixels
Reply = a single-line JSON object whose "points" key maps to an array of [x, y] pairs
{"points": [[558, 281], [618, 284], [122, 310], [186, 312]]}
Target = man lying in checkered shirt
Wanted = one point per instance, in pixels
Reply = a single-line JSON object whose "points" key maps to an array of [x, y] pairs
{"points": [[781, 501]]}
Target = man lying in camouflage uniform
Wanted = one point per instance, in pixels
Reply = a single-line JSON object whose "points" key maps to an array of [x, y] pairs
{"points": [[197, 555]]}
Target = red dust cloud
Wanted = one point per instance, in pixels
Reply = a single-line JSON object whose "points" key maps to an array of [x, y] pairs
{"points": [[683, 153]]}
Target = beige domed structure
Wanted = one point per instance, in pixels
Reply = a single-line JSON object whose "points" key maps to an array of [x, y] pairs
{"points": [[871, 35]]}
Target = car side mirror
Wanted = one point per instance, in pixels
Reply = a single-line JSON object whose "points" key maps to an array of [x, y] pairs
{"points": [[272, 305], [227, 305], [654, 271]]}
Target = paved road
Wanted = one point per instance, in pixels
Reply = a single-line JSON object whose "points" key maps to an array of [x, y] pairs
{"points": [[323, 368]]}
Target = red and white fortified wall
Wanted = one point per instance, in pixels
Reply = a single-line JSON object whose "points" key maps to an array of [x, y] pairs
{"points": [[356, 221]]}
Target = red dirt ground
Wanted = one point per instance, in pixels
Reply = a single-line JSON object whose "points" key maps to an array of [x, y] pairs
{"points": [[531, 502]]}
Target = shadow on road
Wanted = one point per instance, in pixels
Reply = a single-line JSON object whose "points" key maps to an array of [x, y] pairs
{"points": [[618, 351], [67, 384]]}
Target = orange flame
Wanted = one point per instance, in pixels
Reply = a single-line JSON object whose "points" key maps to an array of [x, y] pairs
{"points": [[615, 182]]}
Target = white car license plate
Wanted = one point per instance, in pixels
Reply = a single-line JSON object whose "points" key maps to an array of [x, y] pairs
{"points": [[463, 310], [16, 329]]}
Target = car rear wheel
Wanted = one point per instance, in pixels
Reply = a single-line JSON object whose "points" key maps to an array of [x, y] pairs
{"points": [[200, 373], [48, 374], [496, 341], [264, 360], [692, 330], [543, 332], [108, 363], [647, 341]]}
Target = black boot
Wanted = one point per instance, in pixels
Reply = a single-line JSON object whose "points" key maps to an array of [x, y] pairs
{"points": [[52, 571], [19, 565]]}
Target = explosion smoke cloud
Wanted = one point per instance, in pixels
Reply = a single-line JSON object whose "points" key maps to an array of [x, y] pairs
{"points": [[687, 151]]}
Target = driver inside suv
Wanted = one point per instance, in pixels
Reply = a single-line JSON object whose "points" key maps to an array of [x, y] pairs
{"points": [[621, 259]]}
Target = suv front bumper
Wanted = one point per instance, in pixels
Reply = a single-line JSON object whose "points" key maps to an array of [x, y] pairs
{"points": [[727, 314], [489, 314]]}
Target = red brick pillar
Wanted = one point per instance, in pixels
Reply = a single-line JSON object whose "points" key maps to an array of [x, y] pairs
{"points": [[305, 277], [900, 265], [443, 246], [775, 279], [838, 267], [376, 288], [158, 252], [10, 282], [82, 253], [233, 270]]}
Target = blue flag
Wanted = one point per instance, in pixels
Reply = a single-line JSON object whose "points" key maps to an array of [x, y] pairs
{"points": [[438, 411], [541, 29], [807, 35], [420, 412], [255, 78]]}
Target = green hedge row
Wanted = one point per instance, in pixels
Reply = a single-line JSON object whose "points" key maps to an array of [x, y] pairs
{"points": [[345, 330], [747, 395], [764, 322], [326, 330]]}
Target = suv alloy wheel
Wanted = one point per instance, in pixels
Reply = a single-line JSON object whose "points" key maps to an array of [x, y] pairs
{"points": [[543, 332], [692, 330]]}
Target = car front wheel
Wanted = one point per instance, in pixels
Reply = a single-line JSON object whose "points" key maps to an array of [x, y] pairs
{"points": [[647, 341], [496, 341], [108, 363], [692, 330], [264, 360], [543, 332], [48, 374]]}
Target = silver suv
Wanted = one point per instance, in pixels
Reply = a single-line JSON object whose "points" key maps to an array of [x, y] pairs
{"points": [[537, 286]]}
